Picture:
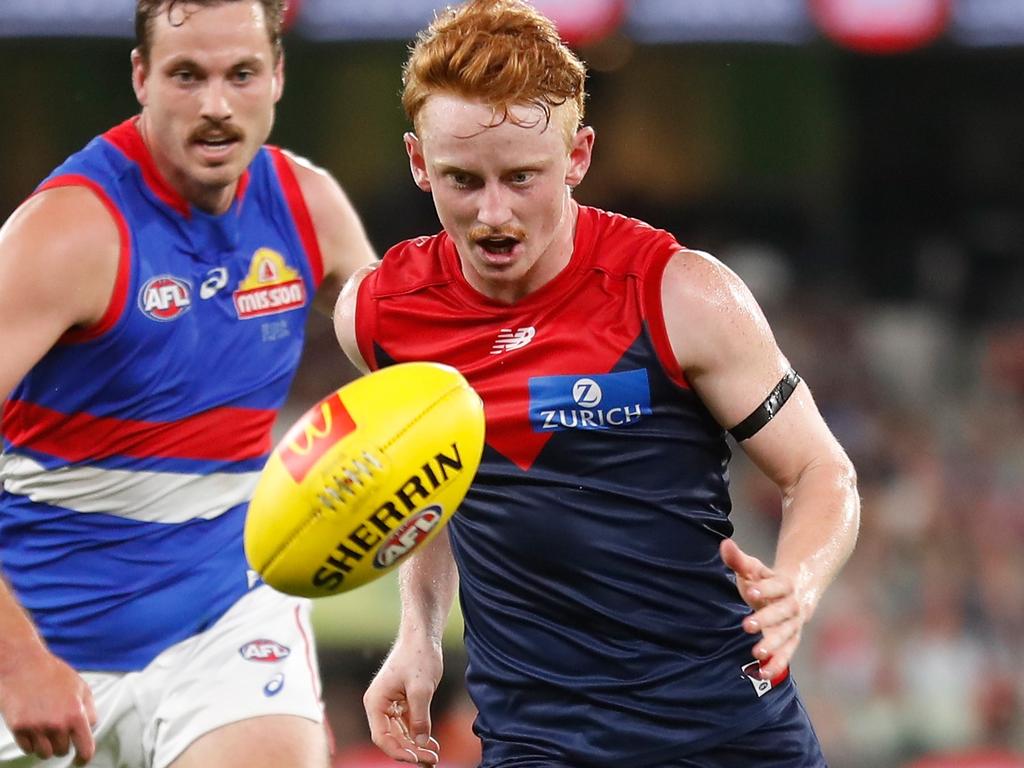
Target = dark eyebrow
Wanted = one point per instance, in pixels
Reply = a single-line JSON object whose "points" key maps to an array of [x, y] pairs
{"points": [[250, 62]]}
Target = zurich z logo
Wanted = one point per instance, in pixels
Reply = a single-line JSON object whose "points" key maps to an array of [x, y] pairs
{"points": [[601, 401]]}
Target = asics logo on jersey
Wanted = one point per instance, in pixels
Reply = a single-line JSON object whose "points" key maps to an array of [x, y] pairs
{"points": [[508, 339], [216, 279], [165, 298]]}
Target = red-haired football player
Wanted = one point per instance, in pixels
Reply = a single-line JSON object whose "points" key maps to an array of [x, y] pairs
{"points": [[610, 618], [153, 296]]}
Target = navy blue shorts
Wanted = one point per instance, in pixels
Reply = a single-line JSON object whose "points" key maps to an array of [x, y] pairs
{"points": [[788, 741]]}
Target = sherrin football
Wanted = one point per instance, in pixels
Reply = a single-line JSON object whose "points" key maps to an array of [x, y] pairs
{"points": [[363, 478]]}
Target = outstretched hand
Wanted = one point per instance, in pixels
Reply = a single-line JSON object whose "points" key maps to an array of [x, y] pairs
{"points": [[777, 615], [397, 706]]}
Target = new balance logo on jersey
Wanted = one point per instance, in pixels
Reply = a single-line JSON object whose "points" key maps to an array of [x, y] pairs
{"points": [[508, 339], [600, 401]]}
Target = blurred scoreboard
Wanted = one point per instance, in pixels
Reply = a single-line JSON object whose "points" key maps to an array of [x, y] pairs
{"points": [[864, 24]]}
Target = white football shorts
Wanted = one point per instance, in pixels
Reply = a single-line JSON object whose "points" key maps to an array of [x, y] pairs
{"points": [[258, 659]]}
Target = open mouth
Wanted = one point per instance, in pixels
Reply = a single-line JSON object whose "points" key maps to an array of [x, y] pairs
{"points": [[497, 246], [216, 143]]}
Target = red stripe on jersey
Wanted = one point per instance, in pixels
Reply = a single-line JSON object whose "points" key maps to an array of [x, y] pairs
{"points": [[223, 434], [119, 295], [654, 315], [300, 213], [366, 320]]}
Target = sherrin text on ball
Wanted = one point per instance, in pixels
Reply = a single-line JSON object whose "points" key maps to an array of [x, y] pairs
{"points": [[367, 475]]}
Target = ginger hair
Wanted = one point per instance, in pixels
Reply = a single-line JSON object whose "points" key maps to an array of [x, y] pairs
{"points": [[503, 53]]}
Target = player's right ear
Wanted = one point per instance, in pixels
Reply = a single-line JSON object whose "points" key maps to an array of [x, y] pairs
{"points": [[139, 76], [417, 162]]}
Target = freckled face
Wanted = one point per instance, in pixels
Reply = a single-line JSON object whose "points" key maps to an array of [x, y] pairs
{"points": [[502, 192]]}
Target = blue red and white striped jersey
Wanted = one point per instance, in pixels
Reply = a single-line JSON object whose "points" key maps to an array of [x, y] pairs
{"points": [[602, 627], [131, 449]]}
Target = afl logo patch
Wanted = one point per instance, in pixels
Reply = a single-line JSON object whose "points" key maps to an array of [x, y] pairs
{"points": [[264, 651], [165, 298]]}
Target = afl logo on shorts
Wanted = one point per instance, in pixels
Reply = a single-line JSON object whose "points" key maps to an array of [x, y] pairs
{"points": [[165, 298], [264, 650]]}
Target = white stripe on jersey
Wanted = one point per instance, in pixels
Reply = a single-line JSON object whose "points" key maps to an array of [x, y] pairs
{"points": [[151, 497]]}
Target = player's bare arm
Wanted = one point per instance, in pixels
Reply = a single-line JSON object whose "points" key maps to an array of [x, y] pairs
{"points": [[58, 262], [726, 349], [398, 700], [340, 233]]}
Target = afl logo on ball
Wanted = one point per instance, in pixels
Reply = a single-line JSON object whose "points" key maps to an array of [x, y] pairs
{"points": [[406, 537], [165, 298]]}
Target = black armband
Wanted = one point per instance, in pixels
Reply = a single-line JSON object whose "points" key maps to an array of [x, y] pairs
{"points": [[767, 410]]}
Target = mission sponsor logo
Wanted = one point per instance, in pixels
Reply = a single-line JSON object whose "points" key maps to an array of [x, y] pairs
{"points": [[598, 401], [270, 287], [165, 298], [397, 525]]}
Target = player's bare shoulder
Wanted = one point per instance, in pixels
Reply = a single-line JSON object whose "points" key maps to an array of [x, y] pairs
{"points": [[62, 237], [710, 312], [704, 283]]}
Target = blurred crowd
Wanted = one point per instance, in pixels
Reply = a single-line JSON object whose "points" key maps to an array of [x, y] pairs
{"points": [[917, 648]]}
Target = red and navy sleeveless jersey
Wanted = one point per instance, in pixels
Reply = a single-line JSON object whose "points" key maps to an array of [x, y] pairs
{"points": [[131, 449], [601, 625]]}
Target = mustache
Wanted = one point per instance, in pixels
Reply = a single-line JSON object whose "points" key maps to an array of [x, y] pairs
{"points": [[483, 232], [212, 130]]}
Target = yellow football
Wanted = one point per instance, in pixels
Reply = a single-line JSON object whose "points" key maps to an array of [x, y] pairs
{"points": [[363, 478]]}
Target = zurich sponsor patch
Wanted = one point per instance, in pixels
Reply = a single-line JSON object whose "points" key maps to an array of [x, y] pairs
{"points": [[595, 401], [165, 298], [264, 651]]}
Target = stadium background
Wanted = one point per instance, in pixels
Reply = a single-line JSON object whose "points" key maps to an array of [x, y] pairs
{"points": [[859, 162]]}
